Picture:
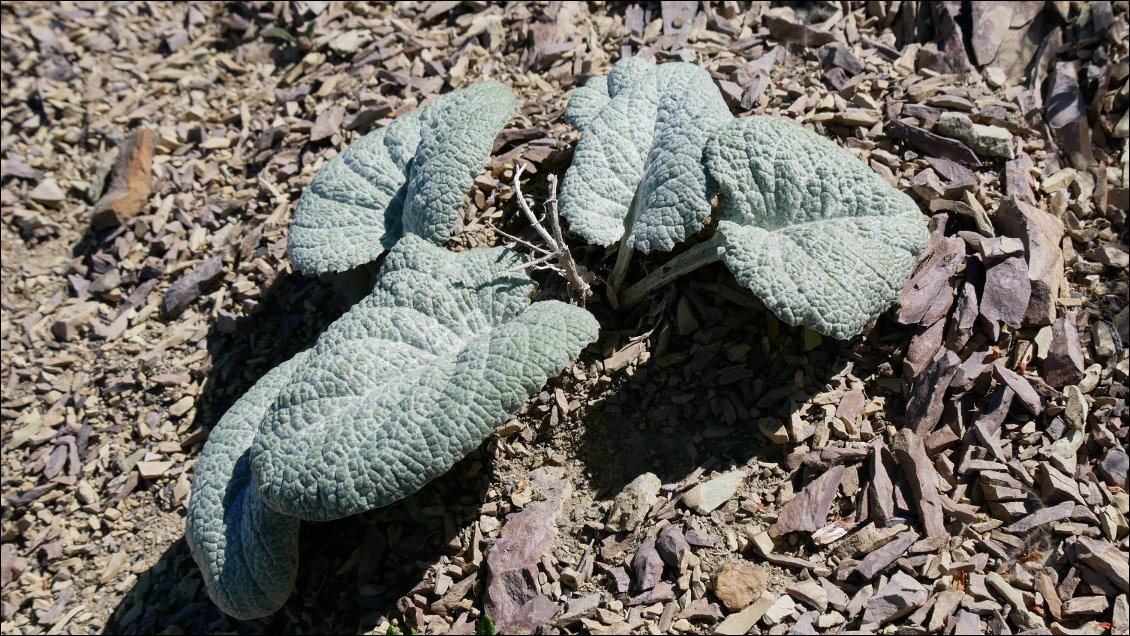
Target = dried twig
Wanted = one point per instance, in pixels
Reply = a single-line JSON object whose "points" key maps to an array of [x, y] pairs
{"points": [[558, 249]]}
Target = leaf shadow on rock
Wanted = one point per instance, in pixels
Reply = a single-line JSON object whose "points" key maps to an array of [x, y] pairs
{"points": [[352, 571], [698, 397]]}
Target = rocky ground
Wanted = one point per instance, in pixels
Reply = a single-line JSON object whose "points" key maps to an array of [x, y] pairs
{"points": [[960, 467]]}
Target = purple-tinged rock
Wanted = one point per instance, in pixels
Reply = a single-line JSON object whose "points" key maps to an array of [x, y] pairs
{"points": [[927, 393], [1041, 233], [923, 479], [808, 510], [880, 559], [1064, 362], [189, 287], [512, 597], [899, 597], [1027, 395], [647, 566], [672, 546], [1007, 287]]}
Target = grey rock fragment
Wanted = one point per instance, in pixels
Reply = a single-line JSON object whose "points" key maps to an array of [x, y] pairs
{"points": [[1020, 616], [709, 495], [1064, 362], [919, 471], [1106, 559], [1041, 233], [925, 406], [882, 558], [189, 287], [899, 597], [632, 504], [1042, 517], [989, 141], [1114, 467]]}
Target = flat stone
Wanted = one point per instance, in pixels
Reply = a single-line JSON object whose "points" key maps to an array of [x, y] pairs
{"points": [[899, 597], [153, 470], [189, 287], [881, 558], [48, 193], [131, 179], [944, 605], [1114, 467], [512, 596], [672, 546], [1025, 393], [805, 625], [1007, 287], [1064, 362], [1020, 616], [1085, 605], [1042, 517], [1042, 235], [1106, 559], [933, 144], [808, 510], [927, 296], [919, 471], [741, 622], [927, 393], [1120, 621], [967, 623], [739, 583], [632, 504], [327, 123], [989, 141], [810, 593], [647, 566], [762, 543], [782, 608], [705, 497]]}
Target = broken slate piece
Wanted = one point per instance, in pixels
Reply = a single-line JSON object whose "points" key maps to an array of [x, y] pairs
{"points": [[1027, 395], [672, 546], [1007, 287], [919, 471], [1042, 517], [988, 141], [925, 406], [880, 559], [1106, 559], [512, 597], [932, 144], [808, 510], [1041, 233], [326, 125], [1064, 362], [705, 497], [647, 566], [130, 181], [189, 287], [928, 294], [899, 597]]}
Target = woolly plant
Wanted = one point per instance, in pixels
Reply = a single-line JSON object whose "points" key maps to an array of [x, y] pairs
{"points": [[447, 345]]}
